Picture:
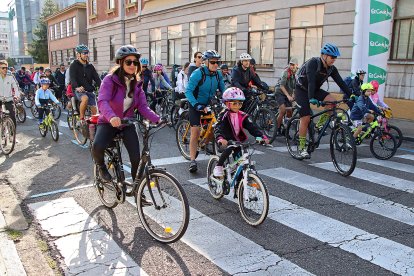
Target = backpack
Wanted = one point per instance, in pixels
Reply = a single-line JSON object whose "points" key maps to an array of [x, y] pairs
{"points": [[201, 82]]}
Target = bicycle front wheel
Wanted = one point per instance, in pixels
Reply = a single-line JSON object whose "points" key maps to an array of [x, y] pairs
{"points": [[182, 135], [34, 111], [292, 137], [107, 191], [266, 120], [20, 113], [54, 131], [396, 132], [77, 130], [383, 145], [56, 112], [216, 190], [254, 201], [343, 150], [166, 220], [8, 135]]}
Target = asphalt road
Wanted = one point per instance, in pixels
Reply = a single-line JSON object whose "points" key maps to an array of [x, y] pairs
{"points": [[319, 222]]}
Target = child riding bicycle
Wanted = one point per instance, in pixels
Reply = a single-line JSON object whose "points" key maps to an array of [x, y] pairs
{"points": [[363, 110], [230, 125], [43, 96]]}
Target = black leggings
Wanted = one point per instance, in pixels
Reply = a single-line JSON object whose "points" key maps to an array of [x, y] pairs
{"points": [[103, 137], [226, 153]]}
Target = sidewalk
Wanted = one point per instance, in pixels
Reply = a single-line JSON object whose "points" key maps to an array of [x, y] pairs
{"points": [[20, 254]]}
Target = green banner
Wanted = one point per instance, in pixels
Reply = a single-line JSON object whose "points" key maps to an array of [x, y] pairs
{"points": [[376, 73], [379, 12], [377, 44]]}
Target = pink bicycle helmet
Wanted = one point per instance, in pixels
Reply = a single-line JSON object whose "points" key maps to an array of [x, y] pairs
{"points": [[375, 84], [158, 67], [233, 94]]}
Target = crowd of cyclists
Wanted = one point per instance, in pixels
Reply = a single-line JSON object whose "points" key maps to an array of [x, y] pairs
{"points": [[133, 85]]}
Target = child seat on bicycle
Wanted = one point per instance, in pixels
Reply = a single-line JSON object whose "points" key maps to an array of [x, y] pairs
{"points": [[230, 125]]}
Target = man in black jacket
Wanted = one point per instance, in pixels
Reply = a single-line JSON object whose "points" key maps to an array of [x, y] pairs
{"points": [[82, 75], [241, 76], [60, 76]]}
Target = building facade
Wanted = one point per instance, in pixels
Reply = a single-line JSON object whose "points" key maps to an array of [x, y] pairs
{"points": [[66, 29], [4, 35], [272, 31]]}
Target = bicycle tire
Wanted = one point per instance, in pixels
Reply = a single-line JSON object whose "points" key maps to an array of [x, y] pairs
{"points": [[182, 135], [154, 219], [34, 111], [266, 120], [387, 145], [342, 141], [20, 113], [8, 135], [103, 188], [215, 191], [28, 102], [397, 133], [54, 131], [174, 117], [77, 131], [57, 111], [43, 130], [292, 138], [255, 215], [69, 120]]}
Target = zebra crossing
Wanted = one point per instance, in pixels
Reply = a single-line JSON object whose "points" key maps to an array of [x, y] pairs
{"points": [[319, 234]]}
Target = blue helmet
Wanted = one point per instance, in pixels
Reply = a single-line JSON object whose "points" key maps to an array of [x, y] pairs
{"points": [[82, 48], [144, 61], [209, 54], [330, 49], [44, 81]]}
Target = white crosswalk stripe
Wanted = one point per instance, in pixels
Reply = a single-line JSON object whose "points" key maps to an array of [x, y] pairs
{"points": [[389, 164], [321, 147]]}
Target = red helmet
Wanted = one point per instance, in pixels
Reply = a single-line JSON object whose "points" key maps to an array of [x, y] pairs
{"points": [[375, 84]]}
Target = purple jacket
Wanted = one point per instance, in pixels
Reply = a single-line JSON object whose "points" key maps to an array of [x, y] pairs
{"points": [[111, 101]]}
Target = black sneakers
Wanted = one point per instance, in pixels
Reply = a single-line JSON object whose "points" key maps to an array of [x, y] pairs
{"points": [[193, 166]]}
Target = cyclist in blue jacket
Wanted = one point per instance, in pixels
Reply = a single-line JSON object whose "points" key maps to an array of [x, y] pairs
{"points": [[201, 87]]}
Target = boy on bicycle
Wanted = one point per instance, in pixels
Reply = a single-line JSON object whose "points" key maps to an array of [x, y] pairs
{"points": [[363, 109], [231, 123], [43, 96]]}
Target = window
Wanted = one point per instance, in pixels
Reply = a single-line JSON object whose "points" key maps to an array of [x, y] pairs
{"points": [[51, 57], [111, 4], [111, 47], [174, 44], [94, 49], [51, 34], [133, 39], [403, 33], [55, 58], [93, 7], [306, 32], [55, 31], [198, 39], [62, 32], [261, 38], [226, 39], [68, 55], [67, 28], [155, 45], [74, 25]]}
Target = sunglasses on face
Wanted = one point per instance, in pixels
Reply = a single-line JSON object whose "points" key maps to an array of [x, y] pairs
{"points": [[85, 53], [215, 62], [236, 103], [3, 68], [129, 62], [199, 56]]}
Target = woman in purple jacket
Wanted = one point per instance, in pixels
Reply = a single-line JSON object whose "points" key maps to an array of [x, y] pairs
{"points": [[120, 93]]}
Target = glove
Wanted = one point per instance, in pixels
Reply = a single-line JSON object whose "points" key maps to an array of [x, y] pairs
{"points": [[315, 102], [353, 98], [199, 107]]}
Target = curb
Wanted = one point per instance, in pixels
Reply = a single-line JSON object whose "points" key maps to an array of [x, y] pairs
{"points": [[410, 139]]}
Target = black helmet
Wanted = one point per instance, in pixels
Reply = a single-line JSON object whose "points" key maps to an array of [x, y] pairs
{"points": [[252, 61], [224, 66], [126, 50], [209, 54]]}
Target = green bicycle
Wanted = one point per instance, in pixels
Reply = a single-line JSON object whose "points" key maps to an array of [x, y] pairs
{"points": [[49, 124]]}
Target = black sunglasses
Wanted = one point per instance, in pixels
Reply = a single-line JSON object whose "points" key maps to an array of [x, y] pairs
{"points": [[215, 62], [129, 62], [199, 56]]}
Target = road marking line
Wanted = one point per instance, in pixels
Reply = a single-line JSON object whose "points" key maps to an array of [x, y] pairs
{"points": [[389, 164], [375, 177], [84, 245], [86, 146], [385, 253], [61, 191], [376, 205], [212, 239], [321, 146], [63, 124], [406, 156]]}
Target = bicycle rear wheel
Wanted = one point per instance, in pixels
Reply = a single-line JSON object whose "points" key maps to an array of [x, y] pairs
{"points": [[77, 130], [56, 111], [383, 145], [34, 111], [215, 190], [343, 150], [29, 101], [107, 192], [182, 135], [396, 132], [8, 135], [253, 203], [20, 113], [69, 119], [292, 137], [166, 220], [266, 120], [54, 131]]}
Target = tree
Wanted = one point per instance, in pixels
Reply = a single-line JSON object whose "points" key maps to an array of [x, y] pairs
{"points": [[11, 62], [38, 48]]}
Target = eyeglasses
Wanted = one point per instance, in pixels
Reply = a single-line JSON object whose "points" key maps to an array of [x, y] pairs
{"points": [[85, 53], [333, 57], [144, 66], [199, 56], [3, 68], [236, 103], [215, 62], [129, 62]]}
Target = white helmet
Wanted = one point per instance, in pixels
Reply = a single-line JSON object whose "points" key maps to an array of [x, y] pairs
{"points": [[245, 56]]}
